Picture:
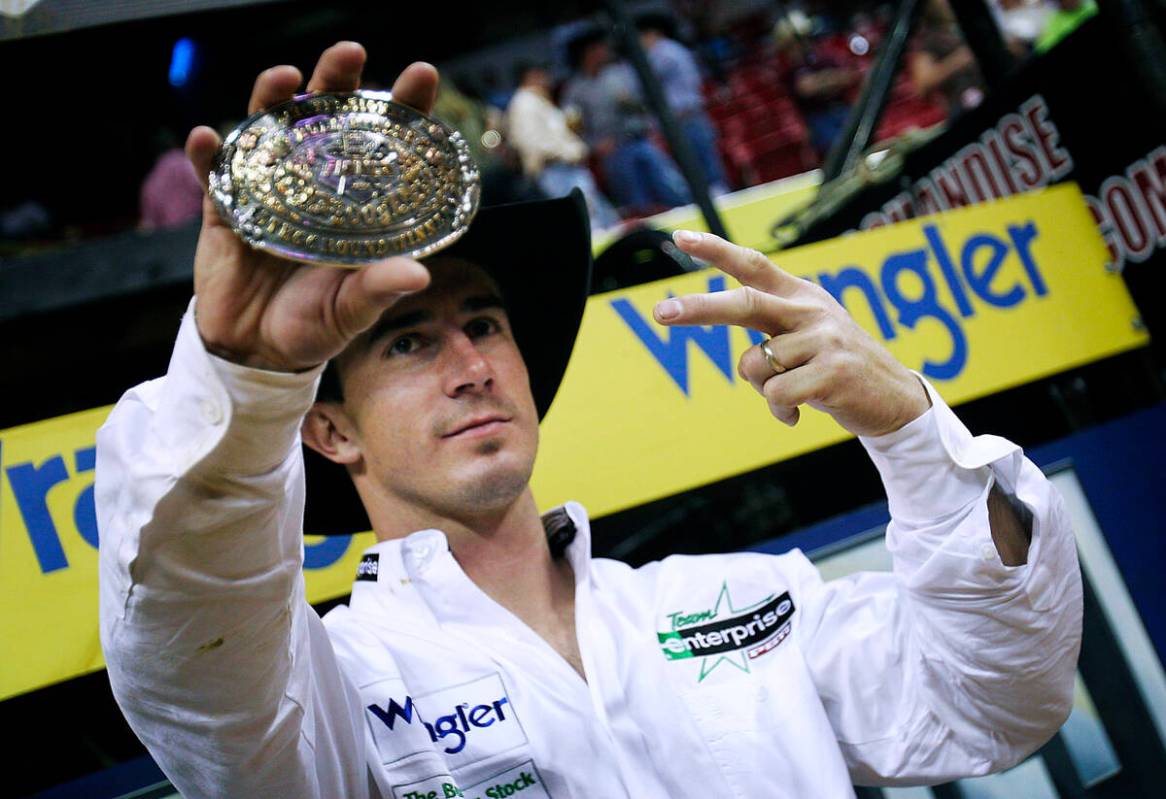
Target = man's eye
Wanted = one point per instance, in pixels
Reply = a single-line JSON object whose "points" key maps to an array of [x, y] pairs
{"points": [[405, 345], [482, 326]]}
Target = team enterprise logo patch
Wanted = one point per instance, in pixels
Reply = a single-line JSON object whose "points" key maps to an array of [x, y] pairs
{"points": [[369, 568], [727, 634]]}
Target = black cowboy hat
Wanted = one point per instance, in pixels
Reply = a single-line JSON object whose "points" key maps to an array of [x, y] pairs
{"points": [[539, 253]]}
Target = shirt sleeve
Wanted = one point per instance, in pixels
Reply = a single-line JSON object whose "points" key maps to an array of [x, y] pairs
{"points": [[955, 664], [221, 667]]}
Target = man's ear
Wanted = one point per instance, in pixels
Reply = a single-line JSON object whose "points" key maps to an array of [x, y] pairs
{"points": [[328, 430]]}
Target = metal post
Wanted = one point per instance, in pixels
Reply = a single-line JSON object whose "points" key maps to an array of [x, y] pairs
{"points": [[865, 115], [625, 33]]}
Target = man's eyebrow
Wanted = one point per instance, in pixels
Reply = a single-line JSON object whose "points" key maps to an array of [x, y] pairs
{"points": [[480, 302], [388, 324]]}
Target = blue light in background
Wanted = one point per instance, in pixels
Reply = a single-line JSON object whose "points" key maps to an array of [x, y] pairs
{"points": [[181, 62]]}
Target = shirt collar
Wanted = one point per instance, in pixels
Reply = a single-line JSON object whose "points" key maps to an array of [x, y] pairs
{"points": [[400, 559], [579, 551]]}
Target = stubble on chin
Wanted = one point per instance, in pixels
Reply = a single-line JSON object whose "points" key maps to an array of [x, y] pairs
{"points": [[498, 486]]}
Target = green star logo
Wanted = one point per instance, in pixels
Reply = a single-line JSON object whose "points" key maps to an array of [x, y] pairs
{"points": [[673, 642]]}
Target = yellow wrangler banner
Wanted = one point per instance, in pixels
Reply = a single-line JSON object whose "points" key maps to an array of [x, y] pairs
{"points": [[978, 299]]}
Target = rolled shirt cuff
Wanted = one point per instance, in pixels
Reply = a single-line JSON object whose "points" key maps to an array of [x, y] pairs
{"points": [[933, 467]]}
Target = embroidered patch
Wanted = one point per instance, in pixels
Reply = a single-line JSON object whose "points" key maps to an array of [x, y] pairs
{"points": [[465, 723], [727, 634], [369, 568], [522, 781]]}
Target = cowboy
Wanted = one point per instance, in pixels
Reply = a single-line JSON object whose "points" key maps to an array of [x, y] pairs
{"points": [[484, 652]]}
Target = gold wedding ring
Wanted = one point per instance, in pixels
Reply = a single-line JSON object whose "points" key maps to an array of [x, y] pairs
{"points": [[771, 358]]}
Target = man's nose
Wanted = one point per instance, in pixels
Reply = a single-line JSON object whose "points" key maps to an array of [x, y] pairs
{"points": [[467, 369]]}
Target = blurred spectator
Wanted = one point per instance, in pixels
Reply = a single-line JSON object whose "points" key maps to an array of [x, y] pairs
{"points": [[26, 220], [493, 89], [502, 179], [1021, 22], [681, 80], [1063, 21], [171, 194], [467, 116], [616, 127], [551, 153], [941, 63], [821, 84]]}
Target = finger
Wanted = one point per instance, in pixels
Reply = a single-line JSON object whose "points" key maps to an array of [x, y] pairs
{"points": [[338, 69], [790, 350], [417, 86], [274, 86], [201, 145], [786, 391], [750, 267], [786, 414], [745, 306], [366, 293]]}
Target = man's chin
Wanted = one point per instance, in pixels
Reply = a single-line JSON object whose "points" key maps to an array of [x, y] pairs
{"points": [[496, 483]]}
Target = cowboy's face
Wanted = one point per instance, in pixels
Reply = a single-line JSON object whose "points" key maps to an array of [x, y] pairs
{"points": [[439, 398]]}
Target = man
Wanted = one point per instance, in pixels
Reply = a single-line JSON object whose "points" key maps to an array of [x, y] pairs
{"points": [[552, 154], [484, 652], [681, 80], [941, 63], [638, 174], [821, 85]]}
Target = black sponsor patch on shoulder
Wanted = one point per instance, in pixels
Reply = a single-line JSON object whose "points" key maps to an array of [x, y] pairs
{"points": [[369, 568], [756, 631]]}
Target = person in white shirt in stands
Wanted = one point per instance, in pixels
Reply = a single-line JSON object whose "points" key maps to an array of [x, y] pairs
{"points": [[484, 652], [551, 152]]}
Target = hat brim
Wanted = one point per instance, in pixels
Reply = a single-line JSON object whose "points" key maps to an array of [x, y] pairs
{"points": [[539, 253]]}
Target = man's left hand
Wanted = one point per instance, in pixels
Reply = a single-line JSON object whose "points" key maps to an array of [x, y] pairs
{"points": [[829, 362]]}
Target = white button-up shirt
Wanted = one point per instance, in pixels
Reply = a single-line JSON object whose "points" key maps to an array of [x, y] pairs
{"points": [[719, 675]]}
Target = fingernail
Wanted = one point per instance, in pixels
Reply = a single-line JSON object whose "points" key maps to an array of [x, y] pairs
{"points": [[686, 236], [667, 309]]}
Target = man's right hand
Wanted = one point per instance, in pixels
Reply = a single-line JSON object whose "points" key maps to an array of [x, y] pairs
{"points": [[267, 312]]}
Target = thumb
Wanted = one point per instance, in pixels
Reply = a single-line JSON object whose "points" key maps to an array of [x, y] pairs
{"points": [[201, 146], [366, 293]]}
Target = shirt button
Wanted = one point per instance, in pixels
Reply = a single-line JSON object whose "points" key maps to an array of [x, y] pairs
{"points": [[987, 551], [211, 412]]}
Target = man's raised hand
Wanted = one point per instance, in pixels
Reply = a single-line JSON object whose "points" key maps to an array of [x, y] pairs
{"points": [[829, 362], [264, 311]]}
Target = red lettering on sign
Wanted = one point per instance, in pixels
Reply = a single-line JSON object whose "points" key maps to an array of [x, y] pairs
{"points": [[872, 220], [927, 199], [991, 139], [1122, 206], [948, 182], [978, 174], [1036, 112], [899, 208], [1031, 172], [1149, 177]]}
